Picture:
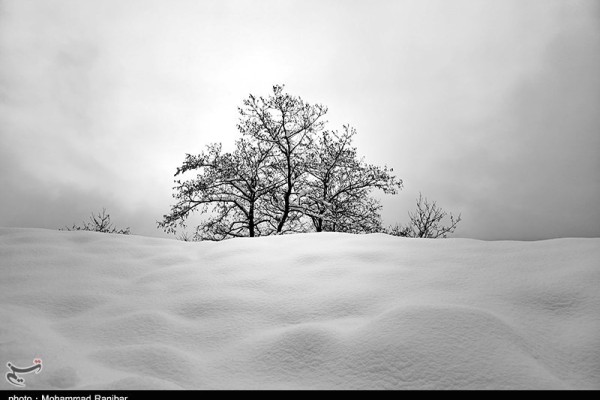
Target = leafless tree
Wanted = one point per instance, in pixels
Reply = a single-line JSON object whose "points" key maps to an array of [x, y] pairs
{"points": [[336, 195], [99, 222], [289, 125], [229, 187], [286, 175], [426, 222]]}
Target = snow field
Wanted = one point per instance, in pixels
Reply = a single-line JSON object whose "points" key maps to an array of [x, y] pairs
{"points": [[311, 311]]}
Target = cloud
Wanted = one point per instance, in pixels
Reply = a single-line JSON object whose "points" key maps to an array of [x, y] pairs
{"points": [[532, 171], [488, 107]]}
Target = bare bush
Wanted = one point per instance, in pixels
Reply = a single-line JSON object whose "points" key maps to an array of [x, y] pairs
{"points": [[99, 222], [426, 222]]}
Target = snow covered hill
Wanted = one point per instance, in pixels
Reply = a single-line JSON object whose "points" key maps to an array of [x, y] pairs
{"points": [[312, 311]]}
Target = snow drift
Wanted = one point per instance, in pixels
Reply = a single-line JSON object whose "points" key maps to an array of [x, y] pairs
{"points": [[311, 311]]}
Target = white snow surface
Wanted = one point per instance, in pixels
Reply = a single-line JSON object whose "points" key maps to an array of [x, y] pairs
{"points": [[309, 311]]}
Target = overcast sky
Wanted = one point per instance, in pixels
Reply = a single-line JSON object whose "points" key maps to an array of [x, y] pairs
{"points": [[490, 107]]}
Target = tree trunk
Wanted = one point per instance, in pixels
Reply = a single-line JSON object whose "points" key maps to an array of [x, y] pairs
{"points": [[286, 197], [286, 208], [251, 219]]}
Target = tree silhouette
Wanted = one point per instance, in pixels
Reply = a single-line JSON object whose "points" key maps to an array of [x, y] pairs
{"points": [[286, 175], [426, 222], [228, 186], [288, 125], [337, 193]]}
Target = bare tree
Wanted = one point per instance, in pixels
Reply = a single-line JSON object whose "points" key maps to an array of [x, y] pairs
{"points": [[336, 195], [99, 222], [286, 175], [426, 222], [288, 124], [229, 187]]}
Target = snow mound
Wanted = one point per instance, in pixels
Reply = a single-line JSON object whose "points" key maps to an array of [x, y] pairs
{"points": [[312, 311]]}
